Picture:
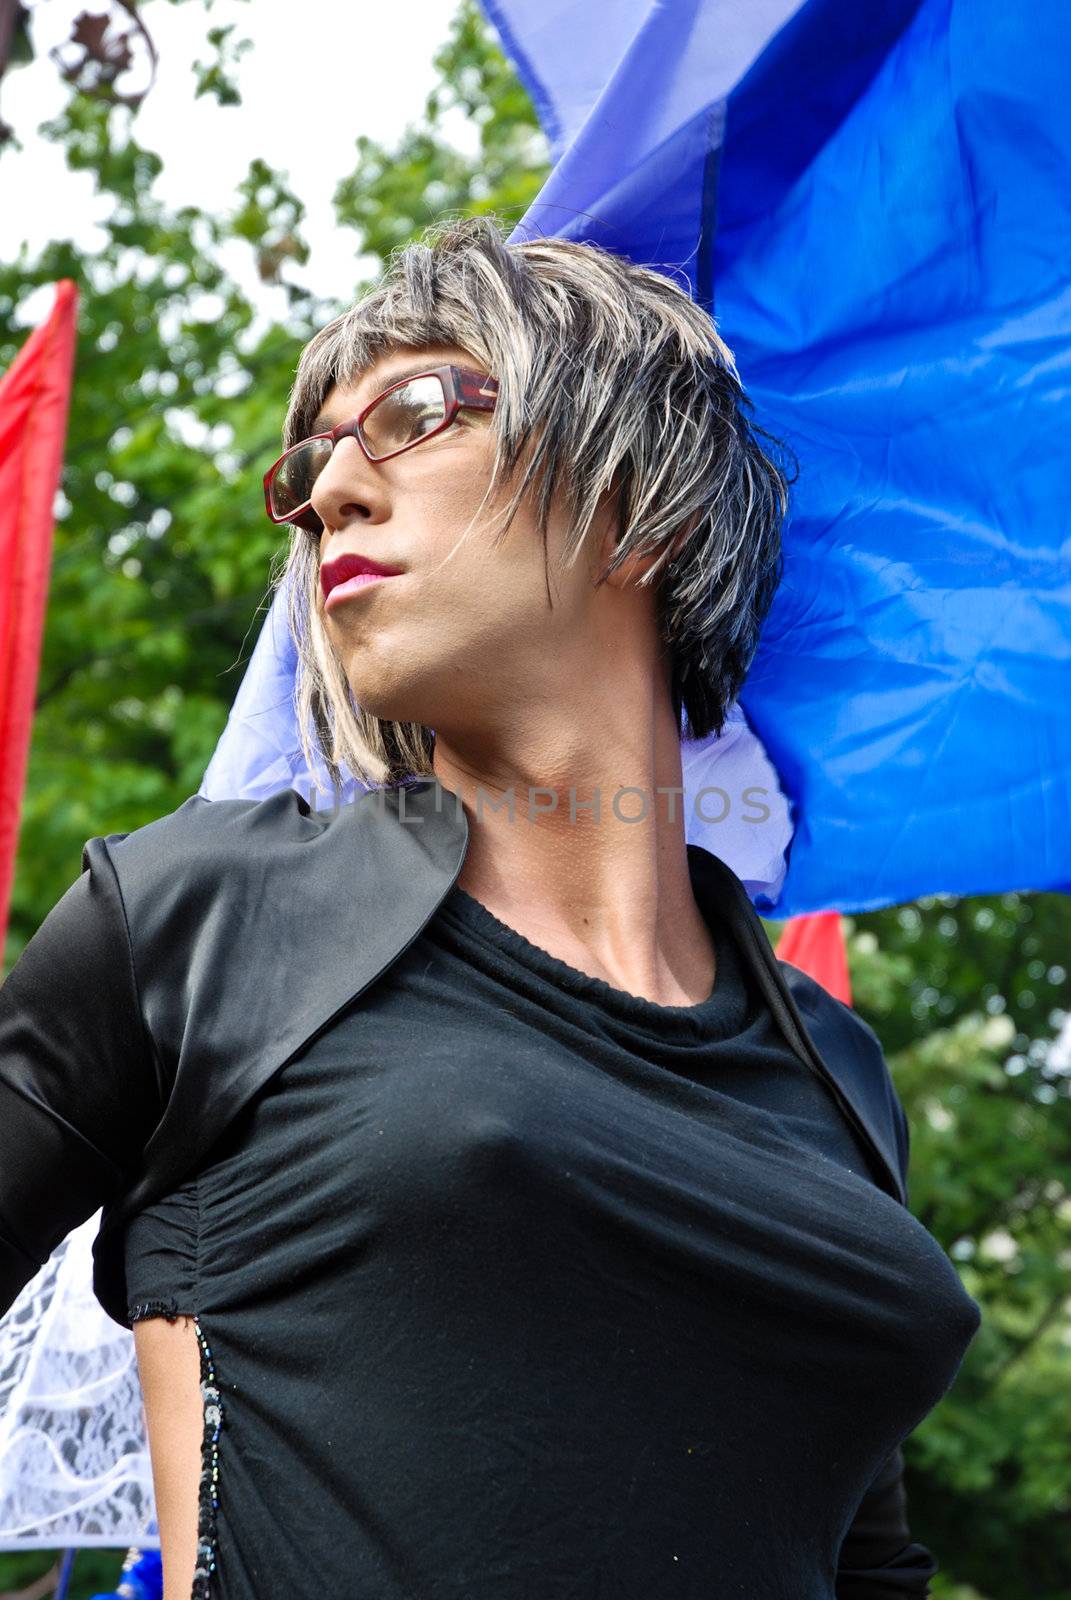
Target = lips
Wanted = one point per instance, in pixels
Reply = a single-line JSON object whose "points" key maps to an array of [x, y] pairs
{"points": [[351, 565]]}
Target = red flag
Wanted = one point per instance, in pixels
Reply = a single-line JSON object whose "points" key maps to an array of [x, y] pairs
{"points": [[815, 944], [34, 394]]}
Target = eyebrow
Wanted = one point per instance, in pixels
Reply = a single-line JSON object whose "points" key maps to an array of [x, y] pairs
{"points": [[324, 424]]}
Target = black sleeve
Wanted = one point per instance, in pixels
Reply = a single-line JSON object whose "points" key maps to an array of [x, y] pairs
{"points": [[878, 1560], [79, 1093]]}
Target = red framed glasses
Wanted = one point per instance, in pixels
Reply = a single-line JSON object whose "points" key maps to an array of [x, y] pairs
{"points": [[411, 411]]}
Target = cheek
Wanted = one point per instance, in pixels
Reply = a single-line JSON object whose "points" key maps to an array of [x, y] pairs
{"points": [[489, 581], [460, 538]]}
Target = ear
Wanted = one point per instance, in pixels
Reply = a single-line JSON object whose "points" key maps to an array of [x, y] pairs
{"points": [[634, 567]]}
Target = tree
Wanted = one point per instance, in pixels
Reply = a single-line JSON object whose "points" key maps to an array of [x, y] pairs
{"points": [[968, 997]]}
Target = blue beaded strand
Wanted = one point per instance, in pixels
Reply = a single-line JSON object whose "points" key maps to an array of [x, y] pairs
{"points": [[208, 1495]]}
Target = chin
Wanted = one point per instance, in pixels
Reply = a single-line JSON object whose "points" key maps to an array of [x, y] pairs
{"points": [[391, 679], [383, 696]]}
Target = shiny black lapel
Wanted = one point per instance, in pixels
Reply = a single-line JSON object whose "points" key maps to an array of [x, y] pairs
{"points": [[824, 1033], [253, 924]]}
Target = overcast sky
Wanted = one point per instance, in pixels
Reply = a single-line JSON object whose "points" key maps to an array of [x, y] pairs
{"points": [[320, 73]]}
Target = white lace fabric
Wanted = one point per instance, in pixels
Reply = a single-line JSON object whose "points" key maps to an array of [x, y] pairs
{"points": [[74, 1457]]}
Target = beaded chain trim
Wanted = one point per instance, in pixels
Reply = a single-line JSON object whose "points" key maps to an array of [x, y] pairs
{"points": [[208, 1497], [212, 1405]]}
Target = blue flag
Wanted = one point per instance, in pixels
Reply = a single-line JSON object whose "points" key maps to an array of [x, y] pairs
{"points": [[875, 203]]}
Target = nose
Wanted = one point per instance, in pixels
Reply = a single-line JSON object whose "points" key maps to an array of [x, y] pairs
{"points": [[349, 489]]}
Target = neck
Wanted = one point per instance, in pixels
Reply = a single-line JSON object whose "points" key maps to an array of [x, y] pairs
{"points": [[577, 839]]}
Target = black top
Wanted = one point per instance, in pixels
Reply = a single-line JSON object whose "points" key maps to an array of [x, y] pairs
{"points": [[518, 1287]]}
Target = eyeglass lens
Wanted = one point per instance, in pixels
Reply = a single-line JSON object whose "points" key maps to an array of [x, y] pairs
{"points": [[403, 415], [398, 418]]}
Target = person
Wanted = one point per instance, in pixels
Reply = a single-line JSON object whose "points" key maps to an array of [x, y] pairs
{"points": [[141, 1577], [495, 1215]]}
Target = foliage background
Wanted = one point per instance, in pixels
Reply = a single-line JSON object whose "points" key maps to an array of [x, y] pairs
{"points": [[160, 580]]}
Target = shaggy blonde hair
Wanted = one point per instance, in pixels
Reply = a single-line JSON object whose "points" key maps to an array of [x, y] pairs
{"points": [[611, 380]]}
